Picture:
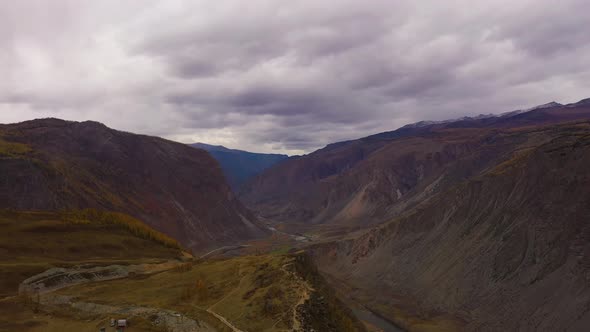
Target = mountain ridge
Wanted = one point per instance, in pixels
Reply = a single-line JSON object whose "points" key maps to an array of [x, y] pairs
{"points": [[52, 164], [240, 166], [213, 147], [474, 225], [358, 179], [488, 253]]}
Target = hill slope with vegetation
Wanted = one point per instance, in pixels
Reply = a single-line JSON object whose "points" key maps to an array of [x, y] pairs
{"points": [[52, 165], [32, 242]]}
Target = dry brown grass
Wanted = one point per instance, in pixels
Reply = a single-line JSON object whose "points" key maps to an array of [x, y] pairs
{"points": [[12, 149], [518, 159], [182, 268], [195, 291], [32, 242], [135, 226]]}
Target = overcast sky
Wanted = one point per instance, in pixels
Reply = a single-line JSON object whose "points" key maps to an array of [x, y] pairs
{"points": [[286, 76]]}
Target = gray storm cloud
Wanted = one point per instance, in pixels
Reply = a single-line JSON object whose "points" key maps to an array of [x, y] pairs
{"points": [[286, 77]]}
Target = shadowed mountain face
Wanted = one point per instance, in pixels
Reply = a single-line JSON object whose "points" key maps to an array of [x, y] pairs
{"points": [[507, 249], [374, 178], [52, 164], [240, 166], [478, 224]]}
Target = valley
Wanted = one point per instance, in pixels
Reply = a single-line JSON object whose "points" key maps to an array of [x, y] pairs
{"points": [[240, 166], [294, 166], [476, 224], [54, 279], [465, 225]]}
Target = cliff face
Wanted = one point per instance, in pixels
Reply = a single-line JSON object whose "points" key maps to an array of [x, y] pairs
{"points": [[507, 249], [373, 179], [52, 164], [476, 224]]}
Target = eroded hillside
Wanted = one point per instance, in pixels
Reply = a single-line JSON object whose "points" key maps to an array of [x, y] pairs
{"points": [[370, 180], [507, 249], [53, 165]]}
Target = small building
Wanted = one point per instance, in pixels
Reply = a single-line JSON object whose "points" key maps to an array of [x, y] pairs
{"points": [[122, 324]]}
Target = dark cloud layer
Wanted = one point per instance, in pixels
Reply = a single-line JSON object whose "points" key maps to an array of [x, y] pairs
{"points": [[286, 76]]}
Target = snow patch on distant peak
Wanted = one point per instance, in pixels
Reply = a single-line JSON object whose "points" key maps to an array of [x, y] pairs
{"points": [[551, 104], [483, 116], [580, 103], [548, 105], [465, 118]]}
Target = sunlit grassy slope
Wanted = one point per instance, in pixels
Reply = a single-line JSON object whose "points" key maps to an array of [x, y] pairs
{"points": [[254, 293], [11, 149], [264, 292], [32, 242]]}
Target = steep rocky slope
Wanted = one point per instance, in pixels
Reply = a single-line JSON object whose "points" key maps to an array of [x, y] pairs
{"points": [[240, 166], [53, 164], [476, 224], [372, 179], [507, 249]]}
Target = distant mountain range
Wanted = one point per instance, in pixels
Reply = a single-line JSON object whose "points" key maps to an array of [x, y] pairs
{"points": [[240, 166], [317, 188], [482, 116]]}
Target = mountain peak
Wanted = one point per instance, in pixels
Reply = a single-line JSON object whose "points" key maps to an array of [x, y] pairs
{"points": [[58, 123], [547, 105], [44, 122], [581, 102]]}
